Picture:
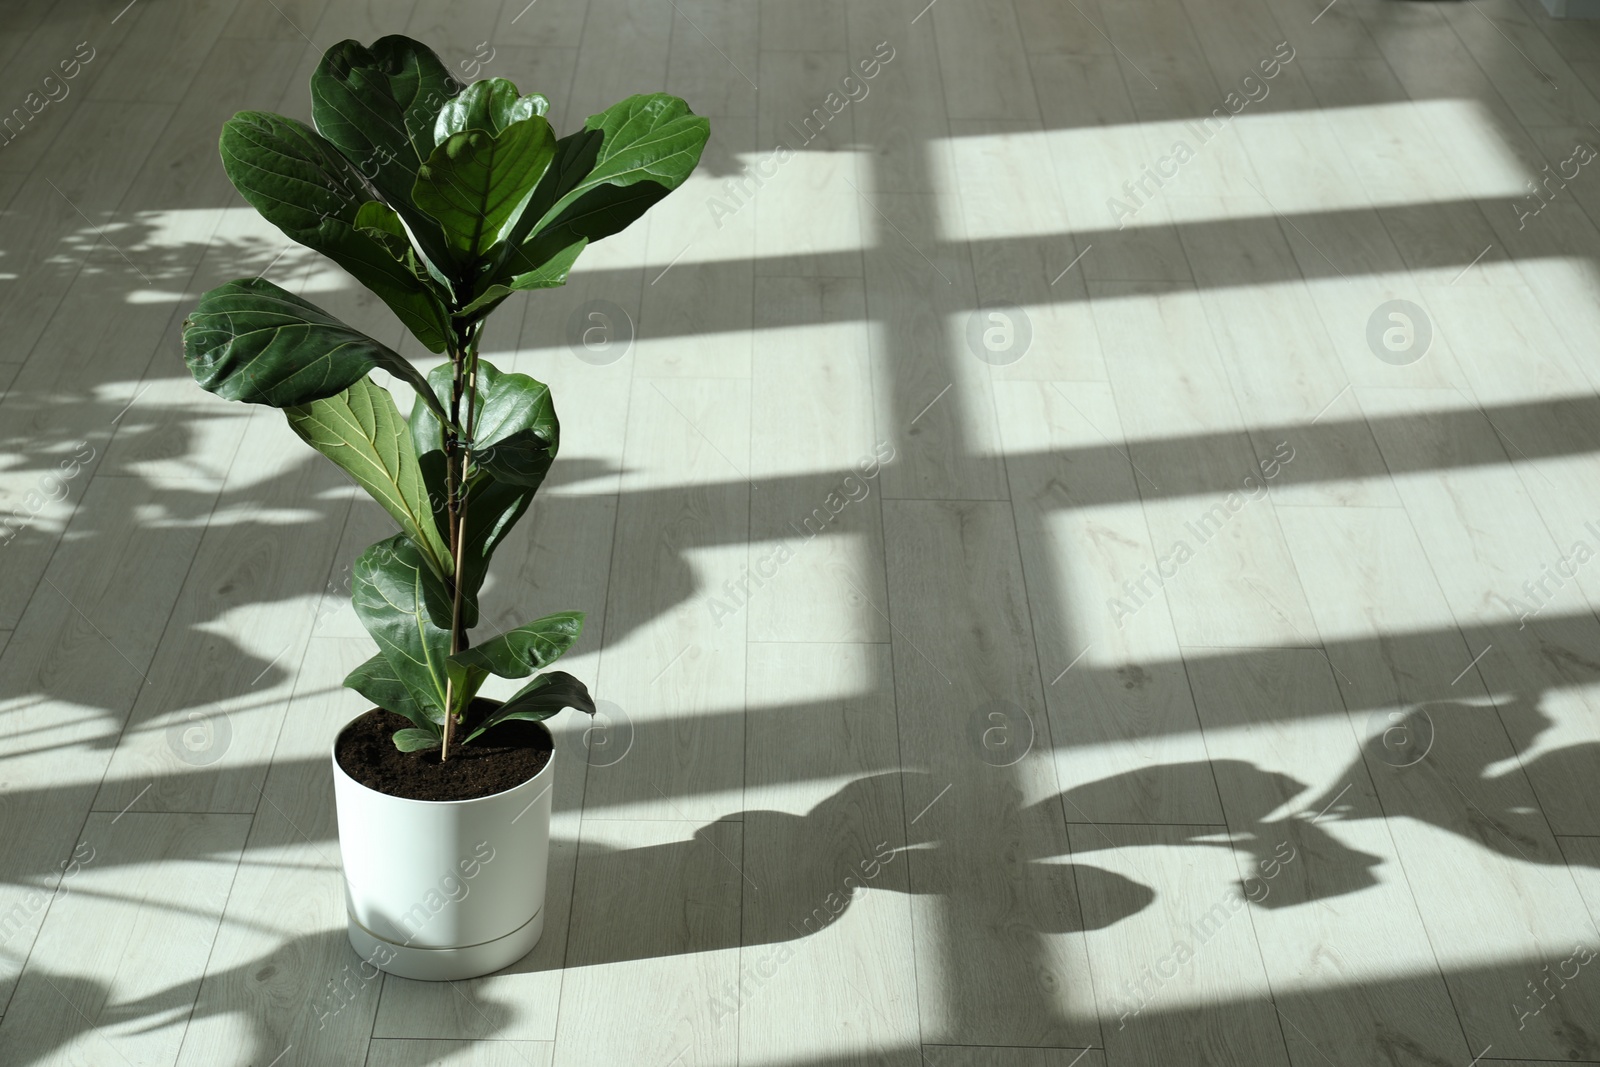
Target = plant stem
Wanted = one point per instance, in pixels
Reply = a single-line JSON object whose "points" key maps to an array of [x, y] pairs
{"points": [[467, 354], [467, 455], [452, 445]]}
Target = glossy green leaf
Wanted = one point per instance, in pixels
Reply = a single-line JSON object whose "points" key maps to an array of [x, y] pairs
{"points": [[380, 222], [378, 107], [363, 432], [548, 269], [493, 508], [491, 104], [302, 185], [603, 178], [406, 609], [251, 341], [493, 505], [378, 682], [518, 653], [414, 740], [538, 700], [515, 433], [475, 183], [651, 138]]}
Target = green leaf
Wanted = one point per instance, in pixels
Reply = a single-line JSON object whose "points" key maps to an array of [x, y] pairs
{"points": [[491, 104], [303, 186], [363, 432], [651, 139], [604, 177], [530, 647], [406, 609], [377, 681], [515, 432], [538, 700], [412, 740], [378, 106], [380, 222], [518, 434], [600, 213], [476, 183], [493, 508], [251, 341], [550, 271]]}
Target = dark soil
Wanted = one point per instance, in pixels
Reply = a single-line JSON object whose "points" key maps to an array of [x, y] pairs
{"points": [[501, 759]]}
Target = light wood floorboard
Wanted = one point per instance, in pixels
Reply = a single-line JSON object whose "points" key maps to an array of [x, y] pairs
{"points": [[996, 893]]}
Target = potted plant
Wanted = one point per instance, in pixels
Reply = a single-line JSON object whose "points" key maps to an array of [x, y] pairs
{"points": [[443, 199]]}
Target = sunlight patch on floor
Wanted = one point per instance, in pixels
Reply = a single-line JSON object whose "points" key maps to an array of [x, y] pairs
{"points": [[1140, 164]]}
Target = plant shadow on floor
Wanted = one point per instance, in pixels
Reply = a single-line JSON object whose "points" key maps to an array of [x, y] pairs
{"points": [[309, 992], [801, 875]]}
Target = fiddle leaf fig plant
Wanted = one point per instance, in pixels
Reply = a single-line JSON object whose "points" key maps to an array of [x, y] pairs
{"points": [[442, 199]]}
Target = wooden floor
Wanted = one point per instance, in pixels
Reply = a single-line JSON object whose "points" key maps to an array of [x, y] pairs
{"points": [[1212, 676]]}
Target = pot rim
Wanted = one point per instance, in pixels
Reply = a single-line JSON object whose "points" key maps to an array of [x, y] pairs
{"points": [[333, 757]]}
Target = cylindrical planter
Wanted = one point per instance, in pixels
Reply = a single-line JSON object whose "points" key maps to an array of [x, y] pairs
{"points": [[444, 890]]}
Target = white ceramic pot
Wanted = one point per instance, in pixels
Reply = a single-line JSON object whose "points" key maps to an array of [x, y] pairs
{"points": [[444, 890]]}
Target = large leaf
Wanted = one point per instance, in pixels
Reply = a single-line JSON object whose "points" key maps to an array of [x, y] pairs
{"points": [[537, 701], [606, 176], [378, 682], [252, 341], [406, 609], [515, 431], [530, 647], [475, 183], [601, 212], [303, 186], [493, 508], [516, 434], [378, 106], [491, 104], [380, 222], [647, 138], [363, 432], [549, 263]]}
